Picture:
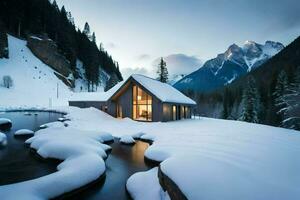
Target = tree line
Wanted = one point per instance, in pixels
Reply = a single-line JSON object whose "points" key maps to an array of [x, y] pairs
{"points": [[42, 17]]}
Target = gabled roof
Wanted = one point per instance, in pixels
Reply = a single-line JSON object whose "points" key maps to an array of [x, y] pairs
{"points": [[163, 91]]}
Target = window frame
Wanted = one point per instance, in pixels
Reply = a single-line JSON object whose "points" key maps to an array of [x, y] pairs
{"points": [[136, 104]]}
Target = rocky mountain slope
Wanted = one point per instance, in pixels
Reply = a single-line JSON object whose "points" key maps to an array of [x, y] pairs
{"points": [[228, 66]]}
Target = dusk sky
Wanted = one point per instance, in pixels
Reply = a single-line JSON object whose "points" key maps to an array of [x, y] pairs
{"points": [[138, 32]]}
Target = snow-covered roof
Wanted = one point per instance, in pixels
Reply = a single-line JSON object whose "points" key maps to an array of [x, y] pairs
{"points": [[163, 91], [95, 96]]}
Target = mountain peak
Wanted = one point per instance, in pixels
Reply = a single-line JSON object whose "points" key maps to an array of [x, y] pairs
{"points": [[228, 66]]}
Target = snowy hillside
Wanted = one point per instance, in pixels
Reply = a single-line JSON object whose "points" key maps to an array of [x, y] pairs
{"points": [[81, 84], [34, 83], [230, 65]]}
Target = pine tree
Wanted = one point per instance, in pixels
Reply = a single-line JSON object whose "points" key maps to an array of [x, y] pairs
{"points": [[250, 103], [290, 103], [113, 80], [87, 30], [54, 4], [281, 88], [162, 71], [71, 18], [94, 38], [225, 111], [101, 47]]}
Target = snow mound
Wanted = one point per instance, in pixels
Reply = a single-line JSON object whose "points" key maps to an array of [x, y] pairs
{"points": [[5, 121], [82, 157], [138, 135], [127, 139], [24, 132], [3, 140], [43, 126], [220, 179], [106, 137], [148, 137], [145, 186]]}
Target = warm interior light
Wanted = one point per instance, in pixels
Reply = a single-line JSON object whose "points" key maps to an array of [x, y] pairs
{"points": [[139, 97]]}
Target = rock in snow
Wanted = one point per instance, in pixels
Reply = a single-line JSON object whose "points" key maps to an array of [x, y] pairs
{"points": [[24, 132], [3, 140], [127, 139]]}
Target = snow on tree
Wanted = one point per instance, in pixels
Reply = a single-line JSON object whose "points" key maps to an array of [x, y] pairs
{"points": [[162, 71], [70, 18], [280, 89], [7, 82], [290, 104], [250, 102], [112, 81]]}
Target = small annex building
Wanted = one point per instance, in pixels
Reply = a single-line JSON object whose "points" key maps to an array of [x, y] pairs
{"points": [[140, 98]]}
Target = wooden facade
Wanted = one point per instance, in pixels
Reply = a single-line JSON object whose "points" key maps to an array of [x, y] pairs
{"points": [[124, 103]]}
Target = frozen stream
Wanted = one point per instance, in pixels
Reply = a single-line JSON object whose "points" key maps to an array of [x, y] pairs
{"points": [[17, 163]]}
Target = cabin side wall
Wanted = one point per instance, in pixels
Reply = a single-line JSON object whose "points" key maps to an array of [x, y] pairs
{"points": [[157, 110], [180, 114], [87, 104], [167, 112], [125, 101]]}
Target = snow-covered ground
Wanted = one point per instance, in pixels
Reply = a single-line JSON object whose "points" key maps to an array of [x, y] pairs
{"points": [[206, 158]]}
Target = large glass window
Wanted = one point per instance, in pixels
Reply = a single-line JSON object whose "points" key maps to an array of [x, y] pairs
{"points": [[142, 104]]}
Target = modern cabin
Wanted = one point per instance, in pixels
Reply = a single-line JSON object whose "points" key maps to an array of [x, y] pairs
{"points": [[140, 98]]}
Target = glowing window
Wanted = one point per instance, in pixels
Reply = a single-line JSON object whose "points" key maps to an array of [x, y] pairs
{"points": [[142, 105]]}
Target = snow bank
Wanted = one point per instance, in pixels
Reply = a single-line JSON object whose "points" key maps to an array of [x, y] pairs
{"points": [[5, 121], [138, 135], [3, 140], [211, 177], [82, 154], [24, 132], [145, 186], [127, 139], [223, 157]]}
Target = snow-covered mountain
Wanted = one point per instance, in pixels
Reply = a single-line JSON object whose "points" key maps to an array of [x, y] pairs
{"points": [[228, 66]]}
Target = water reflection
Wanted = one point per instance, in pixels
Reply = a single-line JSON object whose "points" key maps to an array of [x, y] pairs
{"points": [[17, 163], [123, 161], [137, 152]]}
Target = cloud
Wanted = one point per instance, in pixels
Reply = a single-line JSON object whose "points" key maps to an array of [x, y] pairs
{"points": [[178, 64], [143, 57], [110, 45], [126, 72]]}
